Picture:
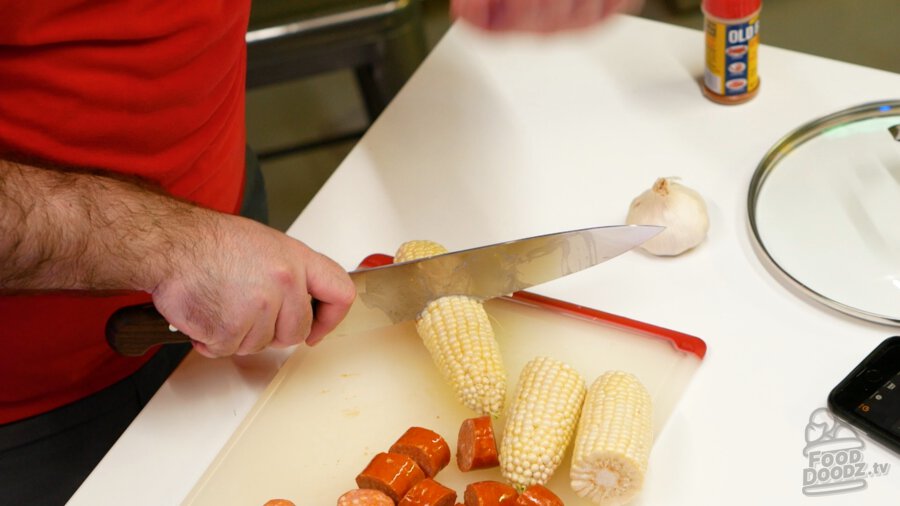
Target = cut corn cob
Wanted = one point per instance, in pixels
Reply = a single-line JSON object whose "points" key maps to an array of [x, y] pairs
{"points": [[458, 335], [541, 421], [414, 250], [613, 443]]}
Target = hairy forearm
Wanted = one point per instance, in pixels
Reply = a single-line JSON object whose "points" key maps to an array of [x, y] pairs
{"points": [[69, 230], [231, 284]]}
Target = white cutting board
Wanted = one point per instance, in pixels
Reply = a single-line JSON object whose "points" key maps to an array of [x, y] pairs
{"points": [[330, 409]]}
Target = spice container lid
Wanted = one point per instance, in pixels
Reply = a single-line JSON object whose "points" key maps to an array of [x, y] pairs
{"points": [[731, 9], [823, 207]]}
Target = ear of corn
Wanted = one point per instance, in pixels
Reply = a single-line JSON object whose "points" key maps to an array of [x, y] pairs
{"points": [[458, 335], [541, 421], [414, 250], [613, 443]]}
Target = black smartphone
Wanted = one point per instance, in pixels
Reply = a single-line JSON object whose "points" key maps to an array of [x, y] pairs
{"points": [[869, 397]]}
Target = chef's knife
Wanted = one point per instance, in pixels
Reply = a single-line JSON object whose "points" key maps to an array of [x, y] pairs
{"points": [[398, 292]]}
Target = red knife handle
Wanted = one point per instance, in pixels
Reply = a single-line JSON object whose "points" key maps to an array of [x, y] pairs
{"points": [[133, 330]]}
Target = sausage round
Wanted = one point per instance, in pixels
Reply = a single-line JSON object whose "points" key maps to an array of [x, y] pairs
{"points": [[392, 473], [429, 493], [476, 447], [427, 448], [490, 493], [538, 495], [365, 497]]}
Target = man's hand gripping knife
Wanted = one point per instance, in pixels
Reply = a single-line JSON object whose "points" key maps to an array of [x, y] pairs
{"points": [[231, 284]]}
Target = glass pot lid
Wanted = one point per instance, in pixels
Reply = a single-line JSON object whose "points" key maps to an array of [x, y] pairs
{"points": [[824, 208]]}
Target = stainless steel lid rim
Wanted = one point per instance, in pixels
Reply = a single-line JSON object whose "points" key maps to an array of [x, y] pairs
{"points": [[770, 161]]}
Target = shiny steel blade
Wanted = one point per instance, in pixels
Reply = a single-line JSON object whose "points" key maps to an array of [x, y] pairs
{"points": [[394, 293]]}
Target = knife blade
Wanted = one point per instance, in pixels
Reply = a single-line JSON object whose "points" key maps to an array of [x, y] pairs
{"points": [[395, 293]]}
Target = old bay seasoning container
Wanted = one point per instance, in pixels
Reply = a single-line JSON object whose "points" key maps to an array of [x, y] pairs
{"points": [[732, 42]]}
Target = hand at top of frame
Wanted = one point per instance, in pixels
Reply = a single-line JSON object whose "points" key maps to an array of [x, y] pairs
{"points": [[539, 16]]}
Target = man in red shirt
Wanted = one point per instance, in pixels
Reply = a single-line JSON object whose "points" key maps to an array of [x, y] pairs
{"points": [[122, 161], [122, 165]]}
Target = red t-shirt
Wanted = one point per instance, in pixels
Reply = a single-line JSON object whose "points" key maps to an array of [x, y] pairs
{"points": [[153, 88]]}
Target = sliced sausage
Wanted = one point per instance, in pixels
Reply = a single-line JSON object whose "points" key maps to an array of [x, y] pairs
{"points": [[429, 493], [365, 497], [476, 447], [490, 493], [392, 473], [538, 495], [427, 448]]}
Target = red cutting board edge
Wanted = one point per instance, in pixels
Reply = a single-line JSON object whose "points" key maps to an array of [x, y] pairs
{"points": [[681, 341]]}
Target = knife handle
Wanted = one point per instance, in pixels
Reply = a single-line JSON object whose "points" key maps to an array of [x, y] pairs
{"points": [[133, 330]]}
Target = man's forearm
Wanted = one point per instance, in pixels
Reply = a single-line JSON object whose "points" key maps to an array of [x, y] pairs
{"points": [[70, 230], [231, 284]]}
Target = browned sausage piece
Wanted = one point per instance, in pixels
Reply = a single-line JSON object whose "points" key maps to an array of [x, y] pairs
{"points": [[428, 493], [278, 502], [365, 497], [391, 473], [538, 495], [490, 493], [427, 448], [476, 447]]}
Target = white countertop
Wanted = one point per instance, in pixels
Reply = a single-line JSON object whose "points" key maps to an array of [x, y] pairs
{"points": [[496, 138]]}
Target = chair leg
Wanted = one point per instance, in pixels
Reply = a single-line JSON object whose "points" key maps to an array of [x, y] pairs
{"points": [[397, 57], [373, 98]]}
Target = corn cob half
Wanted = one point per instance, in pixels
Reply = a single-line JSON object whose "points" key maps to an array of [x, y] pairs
{"points": [[458, 335], [613, 442], [540, 422]]}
